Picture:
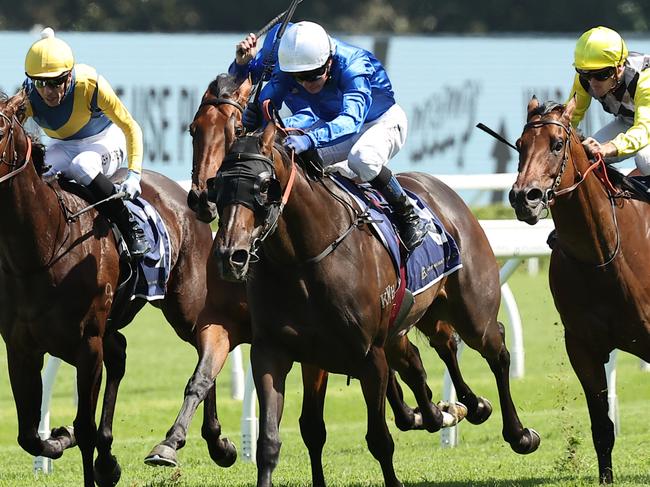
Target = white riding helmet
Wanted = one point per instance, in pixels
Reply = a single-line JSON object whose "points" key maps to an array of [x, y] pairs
{"points": [[304, 46]]}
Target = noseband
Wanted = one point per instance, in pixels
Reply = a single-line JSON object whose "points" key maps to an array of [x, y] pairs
{"points": [[13, 163]]}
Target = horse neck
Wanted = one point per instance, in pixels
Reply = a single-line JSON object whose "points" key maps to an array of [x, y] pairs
{"points": [[31, 221], [311, 220], [584, 217]]}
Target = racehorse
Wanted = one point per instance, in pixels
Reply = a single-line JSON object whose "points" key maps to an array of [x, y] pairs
{"points": [[224, 322], [275, 221], [596, 272], [58, 279]]}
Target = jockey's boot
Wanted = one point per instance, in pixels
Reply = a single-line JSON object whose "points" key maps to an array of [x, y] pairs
{"points": [[117, 212], [412, 228]]}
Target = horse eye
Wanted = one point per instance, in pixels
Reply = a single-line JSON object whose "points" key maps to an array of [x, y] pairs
{"points": [[556, 146]]}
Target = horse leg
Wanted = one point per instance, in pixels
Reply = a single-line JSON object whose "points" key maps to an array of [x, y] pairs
{"points": [[270, 368], [213, 344], [222, 451], [312, 426], [89, 378], [374, 376], [588, 364], [404, 357], [444, 341], [26, 385], [107, 469]]}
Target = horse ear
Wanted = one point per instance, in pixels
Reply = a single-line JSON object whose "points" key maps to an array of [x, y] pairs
{"points": [[229, 131], [17, 105], [533, 104], [268, 137], [568, 110]]}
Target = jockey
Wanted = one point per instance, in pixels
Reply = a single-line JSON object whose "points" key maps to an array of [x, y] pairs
{"points": [[620, 81], [250, 61], [358, 119], [90, 127]]}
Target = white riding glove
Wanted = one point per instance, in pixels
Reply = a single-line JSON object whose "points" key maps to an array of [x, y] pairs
{"points": [[131, 185]]}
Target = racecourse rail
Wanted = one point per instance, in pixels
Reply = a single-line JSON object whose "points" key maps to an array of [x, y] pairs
{"points": [[512, 240]]}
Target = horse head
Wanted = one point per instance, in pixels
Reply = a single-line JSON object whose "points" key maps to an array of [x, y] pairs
{"points": [[15, 145], [248, 191], [223, 98], [544, 150]]}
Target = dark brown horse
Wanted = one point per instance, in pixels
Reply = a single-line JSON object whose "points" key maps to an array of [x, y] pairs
{"points": [[58, 280], [224, 322], [309, 310], [596, 274]]}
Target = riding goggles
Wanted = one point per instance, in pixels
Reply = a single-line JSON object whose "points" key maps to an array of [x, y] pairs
{"points": [[597, 74], [51, 82], [309, 76]]}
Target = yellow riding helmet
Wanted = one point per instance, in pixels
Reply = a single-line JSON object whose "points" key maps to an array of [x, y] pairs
{"points": [[600, 48], [49, 57]]}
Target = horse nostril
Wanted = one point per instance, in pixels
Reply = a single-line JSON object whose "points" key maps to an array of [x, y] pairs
{"points": [[239, 258], [512, 197], [192, 199], [534, 195]]}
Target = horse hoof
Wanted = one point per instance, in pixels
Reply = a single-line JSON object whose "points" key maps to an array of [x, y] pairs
{"points": [[452, 413], [528, 443], [107, 472], [482, 413], [224, 453], [162, 456], [65, 435]]}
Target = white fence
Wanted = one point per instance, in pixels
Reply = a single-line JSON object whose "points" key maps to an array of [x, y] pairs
{"points": [[509, 239]]}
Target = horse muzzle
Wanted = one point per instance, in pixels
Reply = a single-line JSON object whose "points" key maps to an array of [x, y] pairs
{"points": [[528, 203], [206, 210], [232, 264]]}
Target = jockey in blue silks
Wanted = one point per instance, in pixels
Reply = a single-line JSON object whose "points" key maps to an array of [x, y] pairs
{"points": [[251, 62], [358, 120]]}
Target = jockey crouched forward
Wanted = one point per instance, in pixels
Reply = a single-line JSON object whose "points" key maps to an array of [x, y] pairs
{"points": [[90, 127], [357, 118]]}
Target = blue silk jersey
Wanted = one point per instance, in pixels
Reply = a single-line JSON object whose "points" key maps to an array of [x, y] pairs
{"points": [[87, 108], [255, 68], [358, 91]]}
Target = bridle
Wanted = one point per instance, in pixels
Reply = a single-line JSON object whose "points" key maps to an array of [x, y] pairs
{"points": [[551, 193], [16, 166], [216, 102]]}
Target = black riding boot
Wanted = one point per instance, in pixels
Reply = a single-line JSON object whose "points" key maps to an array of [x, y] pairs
{"points": [[411, 228], [117, 212]]}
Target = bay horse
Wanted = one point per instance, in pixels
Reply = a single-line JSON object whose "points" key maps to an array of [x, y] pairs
{"points": [[273, 220], [224, 322], [58, 280], [596, 271]]}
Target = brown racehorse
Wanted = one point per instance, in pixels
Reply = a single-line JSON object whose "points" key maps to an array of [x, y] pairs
{"points": [[58, 279], [596, 272], [274, 220], [224, 322]]}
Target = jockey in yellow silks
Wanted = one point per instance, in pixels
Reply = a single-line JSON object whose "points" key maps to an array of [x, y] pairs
{"points": [[91, 130], [620, 81]]}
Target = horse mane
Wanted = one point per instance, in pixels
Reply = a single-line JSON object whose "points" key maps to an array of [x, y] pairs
{"points": [[223, 86], [546, 108]]}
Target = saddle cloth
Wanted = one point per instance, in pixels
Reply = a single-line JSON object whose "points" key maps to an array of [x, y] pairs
{"points": [[437, 257], [152, 271]]}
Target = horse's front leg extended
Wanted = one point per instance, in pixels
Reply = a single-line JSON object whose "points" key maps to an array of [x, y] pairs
{"points": [[89, 381], [589, 366], [107, 469], [270, 368], [213, 345], [25, 376]]}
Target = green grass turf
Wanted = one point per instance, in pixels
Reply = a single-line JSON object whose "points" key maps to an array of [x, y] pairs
{"points": [[548, 398]]}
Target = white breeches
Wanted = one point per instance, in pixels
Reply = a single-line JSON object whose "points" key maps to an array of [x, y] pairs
{"points": [[618, 126]]}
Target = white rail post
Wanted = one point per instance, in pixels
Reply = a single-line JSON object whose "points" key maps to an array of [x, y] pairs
{"points": [[43, 464], [612, 398], [236, 374], [249, 422], [449, 436]]}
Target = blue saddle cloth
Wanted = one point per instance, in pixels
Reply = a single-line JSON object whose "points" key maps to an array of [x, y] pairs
{"points": [[437, 257], [153, 269]]}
